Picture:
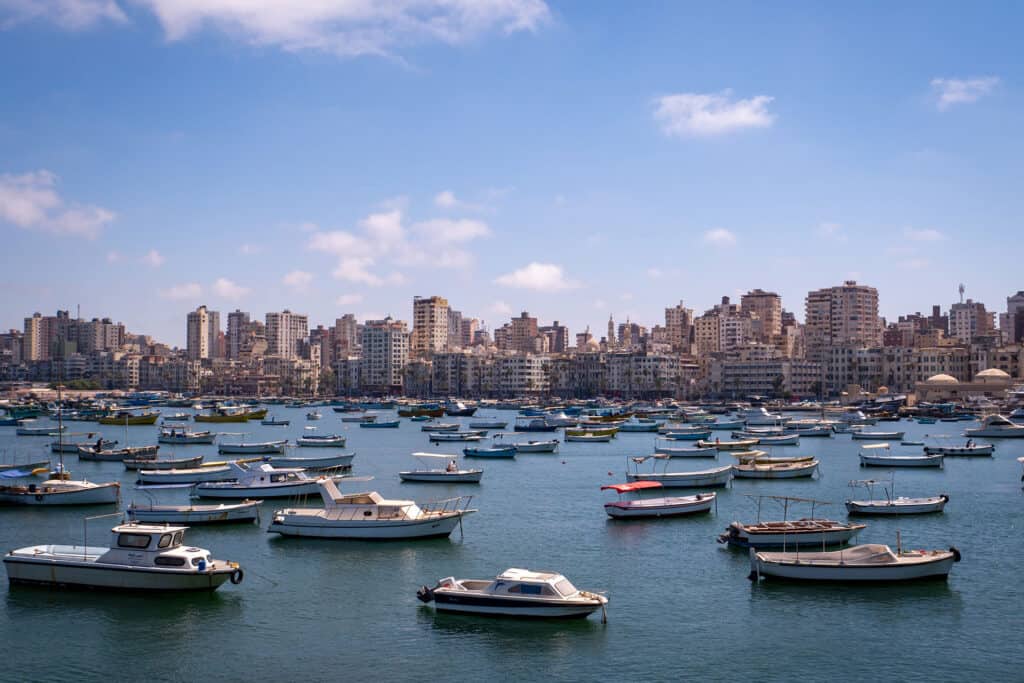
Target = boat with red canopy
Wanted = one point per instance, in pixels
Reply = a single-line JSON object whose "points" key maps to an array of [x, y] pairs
{"points": [[654, 507]]}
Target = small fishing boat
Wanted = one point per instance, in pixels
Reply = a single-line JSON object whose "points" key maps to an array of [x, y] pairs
{"points": [[740, 445], [762, 457], [420, 418], [322, 440], [967, 450], [724, 425], [663, 447], [491, 452], [221, 415], [222, 513], [314, 415], [779, 440], [61, 446], [878, 455], [689, 435], [263, 481], [869, 562], [59, 491], [141, 557], [32, 428], [162, 464], [654, 507], [183, 436], [639, 426], [255, 448], [440, 427], [373, 424], [610, 432], [313, 463], [428, 410], [589, 438], [451, 474], [275, 422], [926, 420], [514, 593], [756, 469], [22, 470], [457, 436], [123, 418], [997, 427], [487, 424], [710, 478], [874, 435], [786, 533], [459, 409], [362, 417], [537, 424], [368, 516], [177, 417], [892, 504], [529, 446], [117, 454], [185, 475]]}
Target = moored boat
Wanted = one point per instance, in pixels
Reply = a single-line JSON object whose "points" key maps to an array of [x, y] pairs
{"points": [[875, 435], [754, 469], [183, 436], [671, 506], [162, 463], [878, 455], [185, 475], [262, 481], [892, 504], [997, 427], [476, 435], [124, 418], [710, 478], [968, 450], [451, 474], [487, 424], [256, 448], [384, 424], [61, 492], [141, 558], [514, 593], [322, 440], [492, 452], [313, 463], [739, 445], [222, 513], [275, 422], [117, 454], [786, 533], [32, 428], [869, 562]]}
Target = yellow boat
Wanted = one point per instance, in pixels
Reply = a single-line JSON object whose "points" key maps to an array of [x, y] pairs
{"points": [[223, 416], [741, 445], [256, 414], [130, 419], [592, 432]]}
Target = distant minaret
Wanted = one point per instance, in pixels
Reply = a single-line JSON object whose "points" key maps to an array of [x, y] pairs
{"points": [[611, 332]]}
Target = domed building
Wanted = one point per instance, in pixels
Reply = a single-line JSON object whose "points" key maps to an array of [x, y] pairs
{"points": [[992, 383], [993, 376]]}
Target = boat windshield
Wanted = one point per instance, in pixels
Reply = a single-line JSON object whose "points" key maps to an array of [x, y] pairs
{"points": [[565, 587]]}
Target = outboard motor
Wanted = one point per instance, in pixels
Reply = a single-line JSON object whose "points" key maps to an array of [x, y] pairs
{"points": [[425, 594]]}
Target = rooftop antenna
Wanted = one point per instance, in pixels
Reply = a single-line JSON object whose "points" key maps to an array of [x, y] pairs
{"points": [[962, 288]]}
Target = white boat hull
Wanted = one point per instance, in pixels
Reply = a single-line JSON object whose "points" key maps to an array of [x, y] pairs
{"points": [[777, 471], [530, 612], [541, 447], [321, 526], [251, 449], [877, 436], [901, 461], [185, 476], [314, 463], [464, 477], [659, 507], [227, 491], [197, 514], [41, 571], [321, 443], [810, 572], [99, 494], [679, 480], [904, 506]]}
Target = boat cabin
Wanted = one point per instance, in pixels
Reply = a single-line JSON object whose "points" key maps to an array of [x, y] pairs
{"points": [[526, 583], [155, 545]]}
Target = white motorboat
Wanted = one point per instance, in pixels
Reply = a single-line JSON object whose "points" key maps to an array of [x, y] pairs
{"points": [[710, 478], [314, 463], [853, 417], [274, 422], [61, 492], [786, 533], [30, 428], [369, 516], [762, 457], [892, 504], [754, 469], [514, 593], [322, 441], [223, 513], [184, 436], [451, 474], [967, 450], [992, 427], [364, 417], [878, 455], [760, 416], [724, 425], [589, 438], [488, 424], [264, 448], [262, 481], [314, 415], [457, 436], [869, 562], [673, 506], [66, 447], [718, 444], [530, 445], [440, 427], [875, 435], [770, 439], [142, 557], [162, 464], [662, 447], [188, 475]]}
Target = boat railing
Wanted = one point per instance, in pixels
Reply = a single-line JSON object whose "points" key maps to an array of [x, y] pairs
{"points": [[447, 506]]}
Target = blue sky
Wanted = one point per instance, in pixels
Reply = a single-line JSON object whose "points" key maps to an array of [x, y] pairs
{"points": [[571, 159]]}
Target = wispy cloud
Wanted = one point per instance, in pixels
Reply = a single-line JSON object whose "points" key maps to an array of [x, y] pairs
{"points": [[182, 292], [297, 280], [345, 28], [113, 256], [153, 258], [707, 114], [541, 277], [448, 230], [950, 91], [72, 15], [348, 299], [227, 289], [30, 201], [249, 249], [720, 237], [923, 235]]}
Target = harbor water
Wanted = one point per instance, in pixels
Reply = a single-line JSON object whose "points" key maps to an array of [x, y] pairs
{"points": [[681, 605]]}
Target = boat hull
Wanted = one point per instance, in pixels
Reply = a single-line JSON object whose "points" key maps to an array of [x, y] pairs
{"points": [[936, 569], [43, 572], [798, 538], [901, 461], [101, 494], [883, 507], [319, 526], [251, 449], [220, 491], [777, 471], [321, 443], [197, 514], [509, 607], [153, 464], [659, 507], [314, 463], [686, 480], [541, 447], [467, 477]]}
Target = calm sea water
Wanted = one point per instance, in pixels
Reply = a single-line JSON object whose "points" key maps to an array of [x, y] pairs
{"points": [[681, 605]]}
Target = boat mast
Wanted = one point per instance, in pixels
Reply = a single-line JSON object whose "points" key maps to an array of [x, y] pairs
{"points": [[60, 427]]}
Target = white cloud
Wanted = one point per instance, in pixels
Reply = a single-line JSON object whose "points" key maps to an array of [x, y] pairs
{"points": [[297, 280], [832, 231], [249, 249], [226, 289], [501, 308], [348, 299], [950, 91], [384, 230], [183, 292], [449, 230], [153, 258], [338, 242], [72, 15], [356, 269], [923, 235], [542, 277], [348, 27], [446, 200], [30, 201], [600, 304], [113, 256], [720, 237], [696, 114]]}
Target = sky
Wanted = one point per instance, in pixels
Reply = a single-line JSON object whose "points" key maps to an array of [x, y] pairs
{"points": [[572, 159]]}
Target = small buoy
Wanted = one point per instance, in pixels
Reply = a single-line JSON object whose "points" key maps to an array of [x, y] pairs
{"points": [[563, 462], [610, 474]]}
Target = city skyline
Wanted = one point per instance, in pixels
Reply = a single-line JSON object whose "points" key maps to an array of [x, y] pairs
{"points": [[535, 156]]}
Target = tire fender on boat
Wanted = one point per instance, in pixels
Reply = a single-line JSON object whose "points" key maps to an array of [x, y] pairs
{"points": [[237, 576], [956, 553]]}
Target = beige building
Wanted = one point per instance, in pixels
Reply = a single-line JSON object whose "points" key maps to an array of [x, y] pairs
{"points": [[284, 331], [385, 353], [991, 383], [678, 323], [841, 316], [429, 324], [202, 327], [969, 319], [766, 307]]}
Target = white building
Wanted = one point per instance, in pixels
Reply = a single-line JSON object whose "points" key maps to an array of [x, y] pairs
{"points": [[284, 332], [385, 353], [202, 328], [430, 324]]}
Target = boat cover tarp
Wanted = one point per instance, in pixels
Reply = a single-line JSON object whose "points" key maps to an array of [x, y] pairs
{"points": [[633, 486]]}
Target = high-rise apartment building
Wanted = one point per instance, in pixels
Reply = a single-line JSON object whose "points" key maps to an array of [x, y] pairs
{"points": [[429, 324], [968, 319], [238, 321], [468, 331], [346, 336], [202, 328], [285, 330], [767, 308], [557, 335], [846, 315], [679, 323], [384, 356], [1014, 332], [524, 331]]}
